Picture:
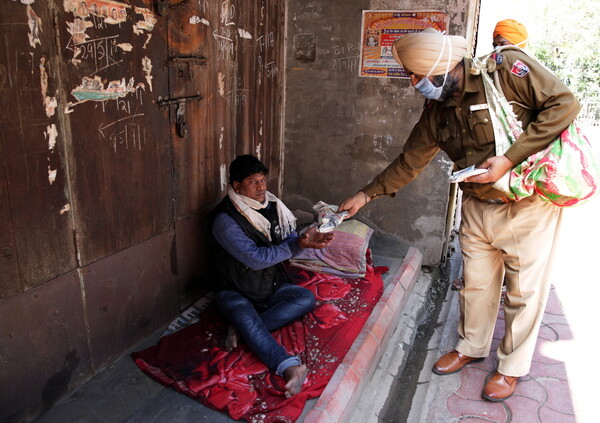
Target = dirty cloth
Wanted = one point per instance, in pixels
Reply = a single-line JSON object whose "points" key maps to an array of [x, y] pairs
{"points": [[194, 361], [345, 257]]}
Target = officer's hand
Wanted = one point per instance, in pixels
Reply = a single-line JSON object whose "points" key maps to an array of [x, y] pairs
{"points": [[353, 204], [497, 166], [314, 239]]}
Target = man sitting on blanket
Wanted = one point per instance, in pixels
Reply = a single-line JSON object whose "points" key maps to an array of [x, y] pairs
{"points": [[255, 233]]}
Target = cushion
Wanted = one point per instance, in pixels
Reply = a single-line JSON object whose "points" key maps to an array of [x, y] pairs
{"points": [[345, 257]]}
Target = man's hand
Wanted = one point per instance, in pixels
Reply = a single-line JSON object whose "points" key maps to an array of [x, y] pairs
{"points": [[314, 239], [497, 166], [353, 204]]}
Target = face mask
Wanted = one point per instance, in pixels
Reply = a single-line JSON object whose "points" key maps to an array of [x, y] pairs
{"points": [[428, 90], [425, 86]]}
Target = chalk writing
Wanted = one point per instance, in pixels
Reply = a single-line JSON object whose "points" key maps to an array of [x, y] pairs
{"points": [[225, 45], [264, 42], [203, 6], [227, 14], [123, 134], [238, 95], [101, 50], [350, 49], [346, 63]]}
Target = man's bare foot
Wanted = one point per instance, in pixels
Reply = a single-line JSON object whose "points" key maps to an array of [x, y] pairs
{"points": [[294, 376], [233, 338]]}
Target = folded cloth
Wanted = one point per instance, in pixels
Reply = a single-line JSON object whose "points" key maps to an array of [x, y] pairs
{"points": [[345, 257]]}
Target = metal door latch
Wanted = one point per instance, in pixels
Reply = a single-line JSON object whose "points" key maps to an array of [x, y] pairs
{"points": [[184, 65], [180, 121]]}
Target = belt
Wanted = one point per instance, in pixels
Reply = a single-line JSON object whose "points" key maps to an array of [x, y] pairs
{"points": [[500, 200]]}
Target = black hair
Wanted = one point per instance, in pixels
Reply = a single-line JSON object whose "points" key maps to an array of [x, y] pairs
{"points": [[243, 166]]}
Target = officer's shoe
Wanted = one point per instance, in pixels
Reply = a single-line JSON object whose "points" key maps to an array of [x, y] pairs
{"points": [[499, 387], [453, 362]]}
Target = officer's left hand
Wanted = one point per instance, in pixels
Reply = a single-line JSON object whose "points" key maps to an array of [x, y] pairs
{"points": [[314, 239], [497, 166]]}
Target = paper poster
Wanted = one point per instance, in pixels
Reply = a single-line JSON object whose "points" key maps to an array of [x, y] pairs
{"points": [[379, 31]]}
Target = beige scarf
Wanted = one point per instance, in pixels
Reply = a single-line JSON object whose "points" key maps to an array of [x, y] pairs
{"points": [[247, 207]]}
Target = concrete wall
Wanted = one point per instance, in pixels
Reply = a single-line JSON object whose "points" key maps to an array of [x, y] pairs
{"points": [[341, 130]]}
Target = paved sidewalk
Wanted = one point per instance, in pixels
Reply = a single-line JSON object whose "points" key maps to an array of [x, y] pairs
{"points": [[542, 396], [561, 385]]}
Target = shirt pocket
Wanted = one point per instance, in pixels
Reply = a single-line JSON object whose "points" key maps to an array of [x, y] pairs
{"points": [[480, 125], [448, 137]]}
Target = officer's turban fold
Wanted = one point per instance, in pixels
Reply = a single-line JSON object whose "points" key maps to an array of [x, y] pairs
{"points": [[512, 31], [419, 52]]}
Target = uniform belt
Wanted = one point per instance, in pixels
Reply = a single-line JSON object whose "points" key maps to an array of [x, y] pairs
{"points": [[494, 200]]}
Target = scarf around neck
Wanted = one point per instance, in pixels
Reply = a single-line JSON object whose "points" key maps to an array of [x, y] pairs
{"points": [[248, 208]]}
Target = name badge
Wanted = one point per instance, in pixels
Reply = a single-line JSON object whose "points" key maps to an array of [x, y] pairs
{"points": [[477, 107]]}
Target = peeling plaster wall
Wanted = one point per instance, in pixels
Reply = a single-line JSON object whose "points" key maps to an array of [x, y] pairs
{"points": [[341, 130]]}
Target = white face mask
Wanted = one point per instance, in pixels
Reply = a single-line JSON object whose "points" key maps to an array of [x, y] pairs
{"points": [[425, 86], [428, 90]]}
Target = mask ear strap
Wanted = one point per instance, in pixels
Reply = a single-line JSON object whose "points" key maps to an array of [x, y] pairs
{"points": [[448, 64], [438, 59], [522, 43]]}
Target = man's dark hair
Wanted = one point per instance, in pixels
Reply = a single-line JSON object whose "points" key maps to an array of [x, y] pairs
{"points": [[243, 166]]}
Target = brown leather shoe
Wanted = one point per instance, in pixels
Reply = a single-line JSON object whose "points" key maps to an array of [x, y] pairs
{"points": [[499, 387], [453, 362]]}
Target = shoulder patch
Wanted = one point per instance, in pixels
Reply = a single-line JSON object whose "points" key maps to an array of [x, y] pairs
{"points": [[520, 69], [499, 58]]}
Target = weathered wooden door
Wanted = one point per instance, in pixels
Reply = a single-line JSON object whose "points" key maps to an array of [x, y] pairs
{"points": [[224, 59], [98, 150], [106, 174]]}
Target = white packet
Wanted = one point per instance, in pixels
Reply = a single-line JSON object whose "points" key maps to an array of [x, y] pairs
{"points": [[328, 217], [461, 175]]}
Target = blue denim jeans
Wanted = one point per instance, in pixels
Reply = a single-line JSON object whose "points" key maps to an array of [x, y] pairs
{"points": [[288, 303]]}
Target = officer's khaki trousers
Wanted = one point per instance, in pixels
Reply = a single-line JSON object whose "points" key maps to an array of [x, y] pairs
{"points": [[512, 240]]}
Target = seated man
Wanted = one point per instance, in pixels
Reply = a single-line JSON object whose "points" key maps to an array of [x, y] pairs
{"points": [[255, 233]]}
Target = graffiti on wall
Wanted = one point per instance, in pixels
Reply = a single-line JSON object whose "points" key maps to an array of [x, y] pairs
{"points": [[109, 52]]}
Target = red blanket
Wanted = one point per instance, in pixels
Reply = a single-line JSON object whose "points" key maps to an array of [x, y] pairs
{"points": [[194, 361]]}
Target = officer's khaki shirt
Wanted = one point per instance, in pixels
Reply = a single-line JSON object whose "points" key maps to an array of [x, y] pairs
{"points": [[464, 131]]}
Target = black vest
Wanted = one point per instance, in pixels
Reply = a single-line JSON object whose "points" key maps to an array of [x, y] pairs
{"points": [[229, 273]]}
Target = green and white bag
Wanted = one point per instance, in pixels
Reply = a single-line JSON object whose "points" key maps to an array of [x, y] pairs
{"points": [[565, 173]]}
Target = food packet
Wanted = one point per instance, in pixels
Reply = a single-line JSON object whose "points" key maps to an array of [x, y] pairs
{"points": [[328, 218], [461, 175]]}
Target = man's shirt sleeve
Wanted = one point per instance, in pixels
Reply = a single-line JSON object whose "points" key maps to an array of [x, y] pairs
{"points": [[234, 240]]}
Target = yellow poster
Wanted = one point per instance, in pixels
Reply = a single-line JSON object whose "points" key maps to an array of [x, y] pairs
{"points": [[379, 31]]}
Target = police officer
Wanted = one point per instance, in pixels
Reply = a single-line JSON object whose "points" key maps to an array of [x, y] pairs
{"points": [[498, 238]]}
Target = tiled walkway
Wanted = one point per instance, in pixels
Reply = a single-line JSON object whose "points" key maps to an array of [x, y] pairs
{"points": [[562, 383], [541, 396]]}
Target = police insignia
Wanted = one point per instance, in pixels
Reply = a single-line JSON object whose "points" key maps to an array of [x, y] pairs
{"points": [[520, 69], [499, 59]]}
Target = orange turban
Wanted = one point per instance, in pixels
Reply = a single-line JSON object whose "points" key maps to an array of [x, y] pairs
{"points": [[513, 31], [429, 52]]}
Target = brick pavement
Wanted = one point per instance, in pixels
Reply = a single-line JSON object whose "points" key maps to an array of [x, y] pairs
{"points": [[543, 395]]}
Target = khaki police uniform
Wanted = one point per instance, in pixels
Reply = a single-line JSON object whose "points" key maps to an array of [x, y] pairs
{"points": [[512, 240]]}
